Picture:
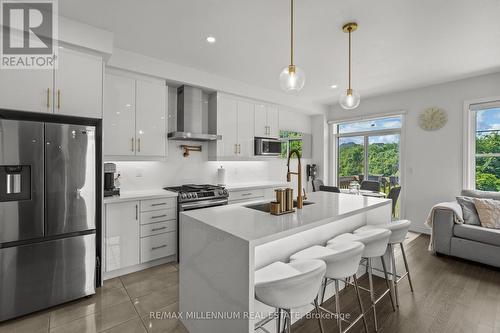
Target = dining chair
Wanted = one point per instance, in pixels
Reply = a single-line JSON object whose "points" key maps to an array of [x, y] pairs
{"points": [[325, 188], [394, 195], [316, 183], [370, 185]]}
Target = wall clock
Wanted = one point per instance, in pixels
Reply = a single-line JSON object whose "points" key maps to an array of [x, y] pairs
{"points": [[432, 119]]}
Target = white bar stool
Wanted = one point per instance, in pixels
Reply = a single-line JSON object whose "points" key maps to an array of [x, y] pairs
{"points": [[375, 242], [342, 261], [286, 286], [399, 231]]}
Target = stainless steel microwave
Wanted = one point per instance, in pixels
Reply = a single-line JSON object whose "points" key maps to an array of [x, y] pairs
{"points": [[267, 147]]}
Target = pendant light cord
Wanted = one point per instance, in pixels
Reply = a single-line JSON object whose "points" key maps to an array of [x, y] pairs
{"points": [[291, 31], [350, 58]]}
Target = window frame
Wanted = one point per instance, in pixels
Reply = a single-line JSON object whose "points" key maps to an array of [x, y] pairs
{"points": [[469, 138], [333, 153]]}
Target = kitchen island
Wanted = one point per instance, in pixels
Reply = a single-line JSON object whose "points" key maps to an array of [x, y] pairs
{"points": [[221, 247]]}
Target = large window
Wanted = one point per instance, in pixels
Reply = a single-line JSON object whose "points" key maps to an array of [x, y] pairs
{"points": [[484, 146], [369, 149]]}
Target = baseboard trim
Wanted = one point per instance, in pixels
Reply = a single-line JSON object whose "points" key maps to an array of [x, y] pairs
{"points": [[136, 268]]}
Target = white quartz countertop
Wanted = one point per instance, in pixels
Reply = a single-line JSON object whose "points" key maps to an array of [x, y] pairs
{"points": [[140, 195], [260, 227], [255, 185]]}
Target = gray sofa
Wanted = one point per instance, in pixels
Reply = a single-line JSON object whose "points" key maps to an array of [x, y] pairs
{"points": [[464, 240]]}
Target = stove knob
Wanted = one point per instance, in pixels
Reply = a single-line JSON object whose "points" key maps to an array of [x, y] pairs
{"points": [[183, 196], [195, 195], [225, 192], [190, 195]]}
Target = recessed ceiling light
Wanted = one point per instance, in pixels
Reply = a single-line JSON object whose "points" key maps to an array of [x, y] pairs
{"points": [[211, 39], [334, 86]]}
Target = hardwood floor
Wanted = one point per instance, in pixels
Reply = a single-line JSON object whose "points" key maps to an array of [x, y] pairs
{"points": [[451, 295]]}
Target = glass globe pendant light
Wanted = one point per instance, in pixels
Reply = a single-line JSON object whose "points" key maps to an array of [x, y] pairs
{"points": [[350, 99], [292, 78]]}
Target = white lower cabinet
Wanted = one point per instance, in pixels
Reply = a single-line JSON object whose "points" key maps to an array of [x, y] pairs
{"points": [[122, 230], [245, 195], [138, 232], [158, 246], [158, 228]]}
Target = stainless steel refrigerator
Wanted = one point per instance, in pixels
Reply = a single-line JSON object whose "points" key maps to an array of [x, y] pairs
{"points": [[47, 214]]}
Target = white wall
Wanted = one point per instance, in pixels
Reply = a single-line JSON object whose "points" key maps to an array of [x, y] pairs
{"points": [[320, 154], [197, 169], [433, 159]]}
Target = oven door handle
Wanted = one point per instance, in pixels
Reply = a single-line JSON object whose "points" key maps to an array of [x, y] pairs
{"points": [[202, 204]]}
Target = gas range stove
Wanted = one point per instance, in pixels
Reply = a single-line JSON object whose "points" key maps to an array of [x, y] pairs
{"points": [[194, 193]]}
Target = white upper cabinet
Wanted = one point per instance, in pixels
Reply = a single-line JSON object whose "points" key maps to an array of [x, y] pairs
{"points": [[119, 116], [134, 121], [232, 118], [150, 119], [76, 90], [245, 129], [260, 120], [227, 127], [78, 84], [273, 121], [266, 121], [26, 90]]}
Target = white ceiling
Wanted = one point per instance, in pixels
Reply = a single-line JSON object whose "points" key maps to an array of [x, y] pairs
{"points": [[400, 44]]}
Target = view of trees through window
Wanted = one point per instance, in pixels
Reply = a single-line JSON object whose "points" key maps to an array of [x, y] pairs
{"points": [[381, 138], [290, 141], [488, 149], [383, 156]]}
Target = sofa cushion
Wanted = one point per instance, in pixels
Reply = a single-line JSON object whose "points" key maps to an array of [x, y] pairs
{"points": [[478, 234], [481, 194], [469, 211], [489, 212]]}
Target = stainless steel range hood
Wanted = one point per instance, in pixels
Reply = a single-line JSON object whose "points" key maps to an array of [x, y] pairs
{"points": [[190, 117]]}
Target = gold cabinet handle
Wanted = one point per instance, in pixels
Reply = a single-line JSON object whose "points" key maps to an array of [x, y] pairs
{"points": [[132, 147], [139, 145], [58, 98], [48, 98]]}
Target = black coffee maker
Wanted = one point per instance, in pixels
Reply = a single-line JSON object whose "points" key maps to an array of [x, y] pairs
{"points": [[109, 180]]}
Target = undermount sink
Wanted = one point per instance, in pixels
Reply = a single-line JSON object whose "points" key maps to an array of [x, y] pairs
{"points": [[265, 207]]}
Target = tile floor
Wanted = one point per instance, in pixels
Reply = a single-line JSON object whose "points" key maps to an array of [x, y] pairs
{"points": [[121, 305]]}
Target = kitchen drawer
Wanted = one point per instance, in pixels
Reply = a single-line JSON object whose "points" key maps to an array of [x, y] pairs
{"points": [[158, 246], [158, 216], [245, 195], [158, 204], [158, 228]]}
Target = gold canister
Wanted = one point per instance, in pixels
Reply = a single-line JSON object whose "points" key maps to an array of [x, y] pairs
{"points": [[280, 198], [275, 207], [289, 199]]}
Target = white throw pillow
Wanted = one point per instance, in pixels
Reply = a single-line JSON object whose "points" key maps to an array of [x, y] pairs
{"points": [[489, 212]]}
